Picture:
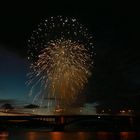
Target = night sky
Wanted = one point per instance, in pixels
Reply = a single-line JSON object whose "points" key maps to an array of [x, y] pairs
{"points": [[115, 27]]}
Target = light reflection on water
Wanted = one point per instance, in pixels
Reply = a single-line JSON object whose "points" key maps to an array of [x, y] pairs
{"points": [[128, 135], [42, 135], [3, 135]]}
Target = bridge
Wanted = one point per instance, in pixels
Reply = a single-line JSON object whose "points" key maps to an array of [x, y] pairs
{"points": [[60, 122]]}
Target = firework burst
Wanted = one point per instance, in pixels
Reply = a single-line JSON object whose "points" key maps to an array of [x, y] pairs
{"points": [[60, 52]]}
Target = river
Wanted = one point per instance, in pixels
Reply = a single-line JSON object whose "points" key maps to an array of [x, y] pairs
{"points": [[44, 135]]}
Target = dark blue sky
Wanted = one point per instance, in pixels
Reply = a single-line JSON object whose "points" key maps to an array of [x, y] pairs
{"points": [[13, 71]]}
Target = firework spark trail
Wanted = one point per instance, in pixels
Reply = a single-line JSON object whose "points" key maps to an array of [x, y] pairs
{"points": [[60, 51]]}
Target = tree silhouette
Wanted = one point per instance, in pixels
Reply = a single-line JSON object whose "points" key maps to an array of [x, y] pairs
{"points": [[31, 106], [7, 106]]}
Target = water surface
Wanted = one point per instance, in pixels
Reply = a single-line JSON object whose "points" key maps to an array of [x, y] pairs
{"points": [[44, 135]]}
